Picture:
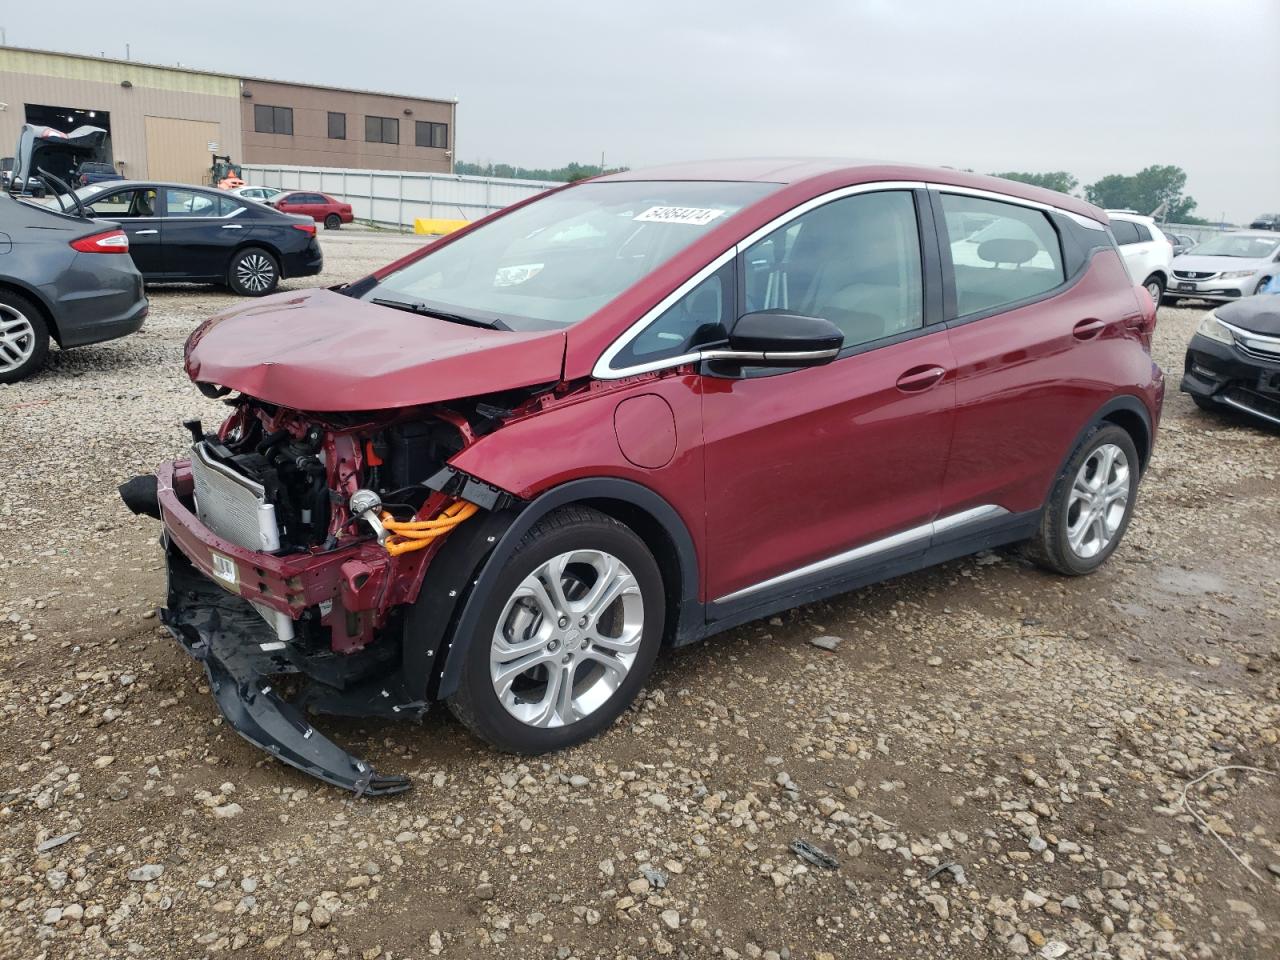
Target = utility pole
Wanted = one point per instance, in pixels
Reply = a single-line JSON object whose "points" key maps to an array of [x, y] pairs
{"points": [[602, 161], [126, 52]]}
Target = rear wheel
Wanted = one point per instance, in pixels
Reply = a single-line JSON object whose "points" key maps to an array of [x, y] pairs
{"points": [[24, 338], [332, 222], [1090, 505], [574, 626], [254, 273]]}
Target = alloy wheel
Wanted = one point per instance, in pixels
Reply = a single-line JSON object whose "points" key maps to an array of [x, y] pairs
{"points": [[1155, 290], [17, 339], [255, 272], [567, 638], [1098, 501]]}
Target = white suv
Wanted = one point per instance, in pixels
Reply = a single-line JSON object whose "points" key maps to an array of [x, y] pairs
{"points": [[1148, 253]]}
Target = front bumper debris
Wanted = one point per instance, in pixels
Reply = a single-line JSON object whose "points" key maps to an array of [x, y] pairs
{"points": [[226, 634]]}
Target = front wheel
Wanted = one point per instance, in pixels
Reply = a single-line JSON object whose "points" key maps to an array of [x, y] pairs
{"points": [[1155, 287], [1090, 504], [254, 273], [332, 222], [1262, 286], [574, 626]]}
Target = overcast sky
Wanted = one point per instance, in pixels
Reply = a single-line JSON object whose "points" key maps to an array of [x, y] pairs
{"points": [[1089, 86]]}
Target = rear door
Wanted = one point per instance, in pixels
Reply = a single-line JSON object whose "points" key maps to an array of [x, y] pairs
{"points": [[134, 208], [201, 229], [1042, 334], [814, 470]]}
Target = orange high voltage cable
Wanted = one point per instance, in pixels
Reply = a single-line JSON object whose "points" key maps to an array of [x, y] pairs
{"points": [[409, 535]]}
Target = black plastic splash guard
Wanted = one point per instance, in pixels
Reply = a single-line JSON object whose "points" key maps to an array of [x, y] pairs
{"points": [[223, 632]]}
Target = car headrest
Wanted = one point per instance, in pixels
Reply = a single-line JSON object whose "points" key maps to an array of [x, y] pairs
{"points": [[1007, 250]]}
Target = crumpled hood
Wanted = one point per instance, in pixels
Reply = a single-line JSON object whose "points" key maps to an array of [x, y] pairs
{"points": [[1200, 264], [1260, 314], [316, 350]]}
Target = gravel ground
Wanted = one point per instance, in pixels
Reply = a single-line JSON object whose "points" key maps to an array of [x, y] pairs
{"points": [[1037, 733]]}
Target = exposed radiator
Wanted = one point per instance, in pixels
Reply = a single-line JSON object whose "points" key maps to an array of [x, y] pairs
{"points": [[232, 506]]}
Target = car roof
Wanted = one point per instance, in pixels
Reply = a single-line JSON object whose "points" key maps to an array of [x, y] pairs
{"points": [[794, 171], [1261, 234], [1130, 215]]}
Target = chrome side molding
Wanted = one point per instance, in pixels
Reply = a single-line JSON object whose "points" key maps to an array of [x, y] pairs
{"points": [[921, 534]]}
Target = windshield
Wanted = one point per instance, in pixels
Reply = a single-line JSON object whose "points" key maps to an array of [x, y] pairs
{"points": [[562, 257], [1238, 245]]}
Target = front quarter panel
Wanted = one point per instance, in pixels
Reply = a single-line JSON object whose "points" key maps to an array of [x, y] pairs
{"points": [[574, 438]]}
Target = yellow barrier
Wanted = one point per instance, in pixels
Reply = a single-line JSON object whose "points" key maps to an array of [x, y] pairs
{"points": [[437, 226]]}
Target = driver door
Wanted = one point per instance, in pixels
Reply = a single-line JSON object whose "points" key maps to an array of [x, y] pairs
{"points": [[811, 473]]}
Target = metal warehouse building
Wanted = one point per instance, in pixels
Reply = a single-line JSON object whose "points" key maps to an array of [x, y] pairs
{"points": [[165, 123]]}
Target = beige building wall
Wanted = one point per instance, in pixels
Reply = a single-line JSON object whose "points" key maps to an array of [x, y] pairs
{"points": [[154, 93], [311, 145]]}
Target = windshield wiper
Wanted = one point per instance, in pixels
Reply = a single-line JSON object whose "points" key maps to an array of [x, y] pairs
{"points": [[420, 308]]}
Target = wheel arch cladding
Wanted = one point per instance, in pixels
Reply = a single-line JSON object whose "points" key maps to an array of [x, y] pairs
{"points": [[653, 519], [1134, 421]]}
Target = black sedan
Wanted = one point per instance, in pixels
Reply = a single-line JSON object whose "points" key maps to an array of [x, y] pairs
{"points": [[181, 233], [64, 278], [1233, 360]]}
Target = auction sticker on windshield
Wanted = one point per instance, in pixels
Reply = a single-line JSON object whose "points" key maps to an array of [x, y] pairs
{"points": [[696, 216]]}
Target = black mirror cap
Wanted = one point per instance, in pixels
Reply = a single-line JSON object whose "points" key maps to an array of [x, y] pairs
{"points": [[779, 331]]}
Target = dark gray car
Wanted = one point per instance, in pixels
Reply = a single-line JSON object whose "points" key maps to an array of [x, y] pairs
{"points": [[62, 277]]}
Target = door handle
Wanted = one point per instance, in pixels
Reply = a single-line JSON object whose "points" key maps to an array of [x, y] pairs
{"points": [[141, 233], [1087, 329], [232, 226], [921, 378]]}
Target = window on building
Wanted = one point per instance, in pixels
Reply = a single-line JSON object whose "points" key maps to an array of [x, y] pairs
{"points": [[272, 119], [337, 126], [430, 134], [1016, 256], [381, 130]]}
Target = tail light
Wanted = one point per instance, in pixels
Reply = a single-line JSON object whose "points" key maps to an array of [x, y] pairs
{"points": [[306, 227], [112, 241]]}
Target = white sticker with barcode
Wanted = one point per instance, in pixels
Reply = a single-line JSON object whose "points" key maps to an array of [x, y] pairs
{"points": [[695, 216], [224, 568]]}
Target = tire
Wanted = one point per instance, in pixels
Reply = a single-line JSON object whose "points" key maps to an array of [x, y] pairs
{"points": [[1059, 545], [254, 272], [332, 222], [527, 717], [1205, 403], [24, 338], [1262, 286], [1155, 288]]}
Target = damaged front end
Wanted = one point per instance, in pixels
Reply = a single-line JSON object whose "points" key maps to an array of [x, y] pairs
{"points": [[297, 546]]}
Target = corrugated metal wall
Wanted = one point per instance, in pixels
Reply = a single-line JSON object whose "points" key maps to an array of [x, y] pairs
{"points": [[390, 198]]}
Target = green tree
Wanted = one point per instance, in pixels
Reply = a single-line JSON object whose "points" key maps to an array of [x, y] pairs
{"points": [[1058, 180], [1145, 191], [567, 174]]}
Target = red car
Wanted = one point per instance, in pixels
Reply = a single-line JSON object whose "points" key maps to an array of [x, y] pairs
{"points": [[320, 207], [506, 470]]}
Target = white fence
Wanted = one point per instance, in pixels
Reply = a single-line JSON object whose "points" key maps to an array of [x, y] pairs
{"points": [[1199, 232], [391, 198]]}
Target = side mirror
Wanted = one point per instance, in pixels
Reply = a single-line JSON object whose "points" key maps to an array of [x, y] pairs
{"points": [[775, 338]]}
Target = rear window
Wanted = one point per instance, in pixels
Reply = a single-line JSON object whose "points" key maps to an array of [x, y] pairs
{"points": [[1015, 257]]}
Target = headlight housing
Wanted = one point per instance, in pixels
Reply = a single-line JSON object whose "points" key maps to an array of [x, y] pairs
{"points": [[1237, 274], [1215, 329]]}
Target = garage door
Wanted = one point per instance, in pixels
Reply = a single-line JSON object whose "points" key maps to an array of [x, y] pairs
{"points": [[178, 150]]}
